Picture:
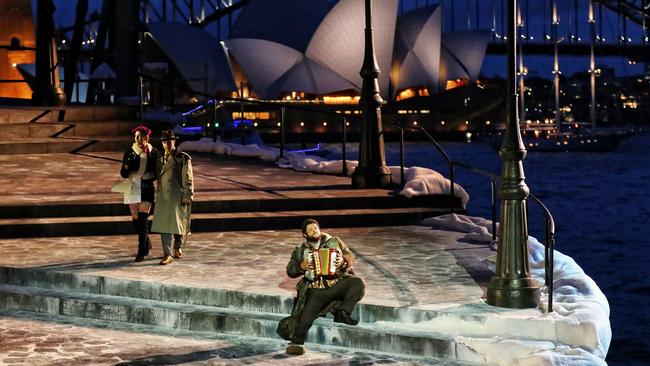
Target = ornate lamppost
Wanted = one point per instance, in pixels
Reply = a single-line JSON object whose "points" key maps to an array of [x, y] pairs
{"points": [[512, 286], [372, 171]]}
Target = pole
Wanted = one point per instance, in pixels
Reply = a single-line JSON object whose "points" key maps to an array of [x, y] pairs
{"points": [[592, 64], [282, 131], [71, 60], [512, 286], [401, 156], [343, 148], [372, 171], [241, 112], [556, 64], [522, 89]]}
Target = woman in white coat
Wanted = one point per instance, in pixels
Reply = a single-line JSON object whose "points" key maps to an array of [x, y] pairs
{"points": [[139, 167]]}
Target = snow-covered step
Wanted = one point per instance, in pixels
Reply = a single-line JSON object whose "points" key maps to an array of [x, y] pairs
{"points": [[267, 350], [227, 321], [468, 320]]}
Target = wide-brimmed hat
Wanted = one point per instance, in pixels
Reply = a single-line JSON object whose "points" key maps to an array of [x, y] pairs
{"points": [[168, 135]]}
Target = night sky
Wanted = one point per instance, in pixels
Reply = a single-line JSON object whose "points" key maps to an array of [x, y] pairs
{"points": [[490, 18]]}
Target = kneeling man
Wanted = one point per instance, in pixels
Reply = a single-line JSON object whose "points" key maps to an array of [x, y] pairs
{"points": [[318, 294]]}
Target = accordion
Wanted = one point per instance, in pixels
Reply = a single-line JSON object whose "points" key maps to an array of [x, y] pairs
{"points": [[324, 260]]}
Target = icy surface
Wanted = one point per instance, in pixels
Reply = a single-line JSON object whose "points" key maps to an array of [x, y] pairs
{"points": [[419, 181], [577, 332]]}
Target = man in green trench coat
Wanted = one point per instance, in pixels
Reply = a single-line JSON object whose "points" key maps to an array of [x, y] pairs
{"points": [[174, 194]]}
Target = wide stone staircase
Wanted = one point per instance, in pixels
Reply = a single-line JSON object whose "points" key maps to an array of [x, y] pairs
{"points": [[218, 215], [70, 129], [64, 295]]}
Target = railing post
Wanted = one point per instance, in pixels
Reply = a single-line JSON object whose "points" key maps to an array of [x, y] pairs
{"points": [[401, 155], [282, 132], [451, 188], [140, 89], [547, 253], [214, 121], [343, 148], [550, 270], [493, 186]]}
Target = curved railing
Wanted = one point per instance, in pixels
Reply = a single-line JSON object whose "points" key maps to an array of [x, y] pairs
{"points": [[549, 240]]}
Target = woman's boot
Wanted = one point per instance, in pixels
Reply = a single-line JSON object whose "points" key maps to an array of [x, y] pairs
{"points": [[143, 236]]}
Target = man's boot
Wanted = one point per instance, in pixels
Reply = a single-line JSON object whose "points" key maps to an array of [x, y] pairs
{"points": [[146, 253], [178, 245], [342, 316], [296, 349]]}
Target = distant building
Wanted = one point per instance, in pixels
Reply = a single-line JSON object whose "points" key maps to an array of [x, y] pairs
{"points": [[16, 33], [318, 50]]}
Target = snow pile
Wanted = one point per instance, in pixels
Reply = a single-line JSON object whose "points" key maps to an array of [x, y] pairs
{"points": [[576, 333], [207, 145], [419, 181]]}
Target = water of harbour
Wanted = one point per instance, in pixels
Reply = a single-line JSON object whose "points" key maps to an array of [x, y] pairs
{"points": [[601, 205]]}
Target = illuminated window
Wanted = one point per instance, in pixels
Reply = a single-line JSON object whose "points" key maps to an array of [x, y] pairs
{"points": [[451, 84], [405, 94], [252, 115], [341, 100]]}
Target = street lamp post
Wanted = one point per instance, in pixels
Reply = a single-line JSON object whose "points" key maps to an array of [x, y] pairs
{"points": [[372, 171], [512, 286]]}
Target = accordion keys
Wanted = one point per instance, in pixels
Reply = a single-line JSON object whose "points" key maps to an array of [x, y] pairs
{"points": [[324, 261]]}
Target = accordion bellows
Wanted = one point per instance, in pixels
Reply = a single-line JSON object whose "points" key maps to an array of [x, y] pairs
{"points": [[324, 260]]}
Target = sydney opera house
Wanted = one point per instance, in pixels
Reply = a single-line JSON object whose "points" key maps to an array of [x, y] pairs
{"points": [[310, 53]]}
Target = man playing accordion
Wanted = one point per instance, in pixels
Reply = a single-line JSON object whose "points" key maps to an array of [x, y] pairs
{"points": [[327, 284]]}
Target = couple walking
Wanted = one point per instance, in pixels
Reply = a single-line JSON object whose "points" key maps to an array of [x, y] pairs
{"points": [[172, 171]]}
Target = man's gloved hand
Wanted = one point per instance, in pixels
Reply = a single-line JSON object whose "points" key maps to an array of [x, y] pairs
{"points": [[186, 201], [307, 265]]}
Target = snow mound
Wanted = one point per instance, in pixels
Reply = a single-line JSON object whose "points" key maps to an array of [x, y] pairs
{"points": [[419, 181], [577, 332]]}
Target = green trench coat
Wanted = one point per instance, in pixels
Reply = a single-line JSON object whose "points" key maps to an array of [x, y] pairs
{"points": [[287, 326], [174, 184]]}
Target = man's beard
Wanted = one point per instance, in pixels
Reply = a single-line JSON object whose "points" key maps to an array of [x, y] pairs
{"points": [[313, 241]]}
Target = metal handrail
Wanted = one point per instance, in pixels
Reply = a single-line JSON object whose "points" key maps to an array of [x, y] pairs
{"points": [[549, 247], [549, 242]]}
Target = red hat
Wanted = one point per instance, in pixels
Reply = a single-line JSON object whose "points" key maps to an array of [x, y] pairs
{"points": [[144, 129]]}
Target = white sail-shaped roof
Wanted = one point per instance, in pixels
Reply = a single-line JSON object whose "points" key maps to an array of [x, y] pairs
{"points": [[339, 41], [202, 57], [263, 61], [334, 54], [288, 22], [310, 77], [417, 49], [462, 55]]}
